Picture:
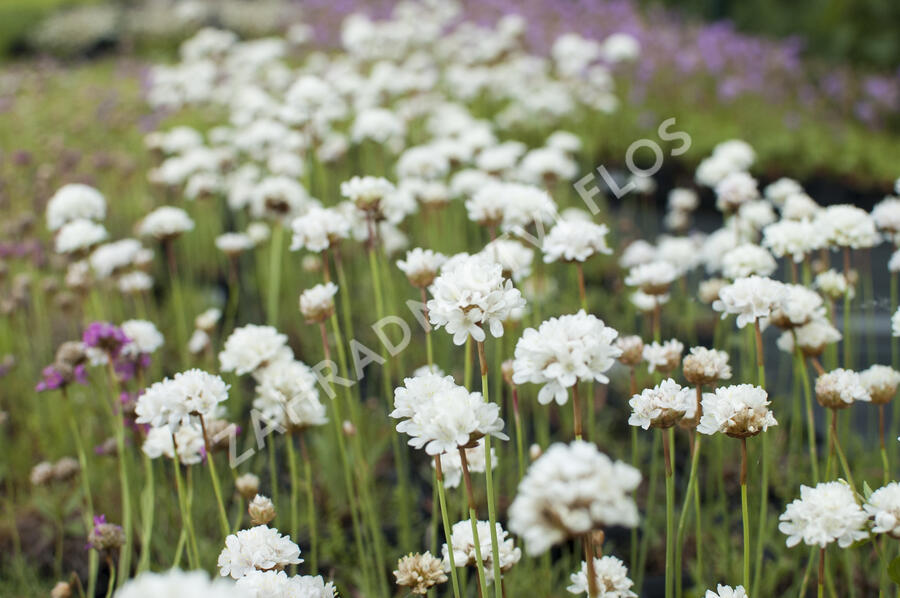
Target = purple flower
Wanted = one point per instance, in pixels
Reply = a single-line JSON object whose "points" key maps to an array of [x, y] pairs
{"points": [[53, 378], [105, 336]]}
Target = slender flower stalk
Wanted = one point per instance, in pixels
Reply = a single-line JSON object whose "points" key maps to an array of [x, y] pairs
{"points": [[762, 530], [442, 495], [492, 512], [125, 486], [272, 296], [214, 477], [473, 518], [668, 439], [310, 508], [810, 416], [745, 517]]}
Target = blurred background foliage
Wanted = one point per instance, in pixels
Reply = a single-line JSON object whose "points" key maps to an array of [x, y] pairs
{"points": [[863, 32]]}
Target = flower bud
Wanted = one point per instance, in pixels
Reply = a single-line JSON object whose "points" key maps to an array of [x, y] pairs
{"points": [[261, 510], [247, 485]]}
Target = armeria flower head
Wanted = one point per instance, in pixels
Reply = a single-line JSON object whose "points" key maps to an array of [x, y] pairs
{"points": [[739, 411], [611, 575], [746, 260], [575, 241], [277, 584], [563, 351], [288, 394], [419, 572], [464, 547], [824, 514], [663, 357], [799, 305], [74, 201], [841, 388], [881, 382], [367, 192], [421, 266], [251, 347], [105, 337], [749, 299], [661, 406], [792, 238], [570, 490], [317, 303], [652, 278], [165, 222], [77, 236], [105, 536], [846, 225], [883, 506], [513, 256], [441, 416], [259, 548], [706, 366], [173, 400], [735, 189], [179, 584], [319, 229], [471, 293], [727, 592]]}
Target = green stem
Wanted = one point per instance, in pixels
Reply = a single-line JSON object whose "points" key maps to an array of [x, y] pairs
{"points": [[310, 509], [682, 518], [112, 577], [840, 451], [275, 251], [492, 510], [93, 558], [186, 522], [762, 530], [668, 441], [295, 487], [214, 477], [810, 416], [125, 487], [439, 477], [745, 516], [147, 511]]}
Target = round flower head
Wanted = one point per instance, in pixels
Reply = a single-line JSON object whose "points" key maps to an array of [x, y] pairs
{"points": [[319, 229], [317, 303], [419, 572], [251, 347], [841, 388], [451, 463], [441, 416], [171, 401], [178, 584], [812, 338], [277, 584], [822, 515], [279, 198], [798, 306], [464, 547], [749, 298], [470, 293], [727, 591], [512, 206], [367, 192], [78, 236], [895, 323], [846, 225], [165, 222], [881, 382], [421, 266], [261, 510], [575, 241], [563, 351], [833, 284], [793, 238], [259, 548], [739, 411], [188, 438], [735, 189], [886, 215], [288, 394], [143, 338], [748, 259], [663, 357], [105, 536], [706, 366], [74, 202], [612, 579], [883, 506], [232, 244], [652, 278], [661, 406], [114, 257], [632, 350], [708, 292], [514, 257], [570, 490]]}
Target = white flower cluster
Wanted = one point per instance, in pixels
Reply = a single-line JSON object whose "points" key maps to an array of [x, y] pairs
{"points": [[661, 406], [571, 490], [259, 548], [824, 514], [74, 202], [739, 411], [749, 299], [563, 351], [575, 241], [251, 347], [441, 416], [172, 401], [612, 579], [178, 584], [464, 547]]}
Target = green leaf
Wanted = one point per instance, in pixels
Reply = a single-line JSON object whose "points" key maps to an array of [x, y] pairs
{"points": [[894, 570], [867, 490]]}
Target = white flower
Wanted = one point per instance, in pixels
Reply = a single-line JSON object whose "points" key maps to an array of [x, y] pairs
{"points": [[565, 141], [801, 206], [135, 282], [794, 238], [113, 257], [705, 366], [451, 462], [251, 347], [798, 306], [277, 584], [833, 284], [895, 323], [748, 259], [234, 243], [199, 341], [780, 190], [510, 205], [881, 382], [715, 246], [846, 225], [735, 189], [279, 198], [421, 266], [143, 338], [636, 253], [894, 262], [422, 162], [738, 411], [756, 214], [683, 200], [563, 351], [822, 515], [514, 257], [74, 202], [470, 293], [208, 319], [191, 444], [441, 416], [259, 548], [612, 579], [620, 47], [727, 592], [547, 164], [647, 303], [319, 229], [178, 584], [317, 303], [288, 394], [173, 400], [78, 235], [653, 278], [884, 508], [464, 547], [570, 490], [661, 406], [379, 125], [165, 222], [663, 356], [841, 388], [575, 240], [812, 337], [749, 298], [886, 214], [367, 192]]}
